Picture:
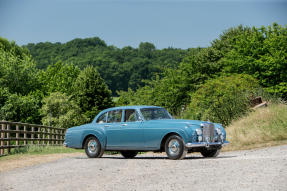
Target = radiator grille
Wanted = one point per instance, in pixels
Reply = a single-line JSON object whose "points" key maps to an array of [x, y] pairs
{"points": [[208, 132]]}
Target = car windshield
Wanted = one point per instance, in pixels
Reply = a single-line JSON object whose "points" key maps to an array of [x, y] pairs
{"points": [[155, 113]]}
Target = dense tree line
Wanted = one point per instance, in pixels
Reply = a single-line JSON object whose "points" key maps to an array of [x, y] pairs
{"points": [[120, 68], [66, 84]]}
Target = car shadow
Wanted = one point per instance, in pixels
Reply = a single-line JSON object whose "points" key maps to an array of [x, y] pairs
{"points": [[113, 157]]}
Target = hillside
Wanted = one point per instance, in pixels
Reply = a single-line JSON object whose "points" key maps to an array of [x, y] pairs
{"points": [[262, 127], [121, 68]]}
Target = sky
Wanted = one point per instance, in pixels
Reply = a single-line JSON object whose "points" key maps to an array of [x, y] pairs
{"points": [[165, 23]]}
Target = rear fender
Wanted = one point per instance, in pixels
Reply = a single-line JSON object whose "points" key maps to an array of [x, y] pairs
{"points": [[96, 133]]}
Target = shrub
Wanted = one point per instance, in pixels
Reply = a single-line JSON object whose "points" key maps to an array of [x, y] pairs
{"points": [[223, 99]]}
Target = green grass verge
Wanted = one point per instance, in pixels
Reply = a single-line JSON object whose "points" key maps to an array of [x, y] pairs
{"points": [[264, 126], [35, 149]]}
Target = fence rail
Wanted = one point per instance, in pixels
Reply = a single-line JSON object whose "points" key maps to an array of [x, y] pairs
{"points": [[15, 135]]}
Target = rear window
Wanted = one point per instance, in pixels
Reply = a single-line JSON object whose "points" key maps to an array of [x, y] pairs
{"points": [[155, 113], [114, 116], [131, 115]]}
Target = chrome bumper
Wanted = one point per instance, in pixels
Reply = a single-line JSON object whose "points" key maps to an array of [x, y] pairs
{"points": [[206, 144]]}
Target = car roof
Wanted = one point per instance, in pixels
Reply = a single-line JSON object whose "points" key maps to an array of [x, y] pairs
{"points": [[131, 107], [125, 107]]}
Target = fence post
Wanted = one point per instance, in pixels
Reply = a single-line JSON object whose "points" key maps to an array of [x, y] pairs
{"points": [[2, 137], [32, 135], [43, 135], [49, 136], [57, 136], [8, 139], [25, 135], [53, 136], [63, 135], [39, 132], [17, 135]]}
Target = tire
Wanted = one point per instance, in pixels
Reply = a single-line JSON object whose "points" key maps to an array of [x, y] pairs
{"points": [[93, 148], [129, 154], [210, 153], [175, 148]]}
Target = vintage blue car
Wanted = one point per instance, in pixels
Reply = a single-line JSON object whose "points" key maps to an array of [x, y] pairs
{"points": [[131, 129]]}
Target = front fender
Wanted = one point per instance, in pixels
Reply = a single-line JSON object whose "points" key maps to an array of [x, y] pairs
{"points": [[184, 133]]}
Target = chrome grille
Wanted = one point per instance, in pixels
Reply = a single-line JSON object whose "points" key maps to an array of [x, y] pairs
{"points": [[208, 132]]}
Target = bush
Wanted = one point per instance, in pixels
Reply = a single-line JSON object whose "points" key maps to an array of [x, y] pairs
{"points": [[223, 99], [59, 111]]}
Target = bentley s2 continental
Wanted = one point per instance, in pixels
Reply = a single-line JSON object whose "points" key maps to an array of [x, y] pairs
{"points": [[132, 129]]}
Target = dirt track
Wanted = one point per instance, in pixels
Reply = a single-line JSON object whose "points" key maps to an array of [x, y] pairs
{"points": [[261, 169]]}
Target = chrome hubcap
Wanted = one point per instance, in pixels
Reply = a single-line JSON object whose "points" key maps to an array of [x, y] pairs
{"points": [[92, 146], [173, 147]]}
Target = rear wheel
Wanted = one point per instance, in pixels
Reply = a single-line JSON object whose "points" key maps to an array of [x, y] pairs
{"points": [[129, 154], [174, 147], [210, 153], [93, 148]]}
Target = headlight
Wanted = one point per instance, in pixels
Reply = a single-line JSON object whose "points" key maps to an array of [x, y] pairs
{"points": [[218, 131], [198, 131]]}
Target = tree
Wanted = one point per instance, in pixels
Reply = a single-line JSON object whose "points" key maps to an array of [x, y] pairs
{"points": [[60, 111], [17, 70], [223, 99], [21, 109], [261, 52], [59, 77], [91, 92]]}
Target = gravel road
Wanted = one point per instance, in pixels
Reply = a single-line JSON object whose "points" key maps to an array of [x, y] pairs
{"points": [[260, 169]]}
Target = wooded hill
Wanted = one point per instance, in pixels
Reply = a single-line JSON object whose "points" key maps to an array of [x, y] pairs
{"points": [[67, 84], [121, 68]]}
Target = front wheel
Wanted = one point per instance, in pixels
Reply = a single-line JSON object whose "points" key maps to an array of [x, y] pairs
{"points": [[174, 147], [210, 153], [93, 148], [129, 154]]}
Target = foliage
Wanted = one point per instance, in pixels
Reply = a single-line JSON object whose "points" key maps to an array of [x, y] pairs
{"points": [[21, 109], [17, 71], [172, 78], [91, 92], [60, 111], [59, 77], [121, 68], [261, 52], [223, 99]]}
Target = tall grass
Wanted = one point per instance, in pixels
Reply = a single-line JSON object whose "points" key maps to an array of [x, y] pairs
{"points": [[264, 125]]}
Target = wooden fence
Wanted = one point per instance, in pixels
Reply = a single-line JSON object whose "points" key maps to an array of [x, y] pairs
{"points": [[15, 135]]}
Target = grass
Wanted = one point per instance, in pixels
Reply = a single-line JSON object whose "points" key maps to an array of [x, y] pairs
{"points": [[262, 127], [39, 150]]}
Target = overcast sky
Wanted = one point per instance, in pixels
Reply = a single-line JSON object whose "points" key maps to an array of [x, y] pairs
{"points": [[166, 23]]}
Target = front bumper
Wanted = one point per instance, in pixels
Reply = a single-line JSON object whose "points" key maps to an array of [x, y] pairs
{"points": [[205, 144]]}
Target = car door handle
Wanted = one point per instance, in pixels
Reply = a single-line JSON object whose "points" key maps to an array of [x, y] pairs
{"points": [[106, 125], [124, 124]]}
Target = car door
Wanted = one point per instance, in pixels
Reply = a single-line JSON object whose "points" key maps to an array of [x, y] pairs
{"points": [[131, 133], [113, 128]]}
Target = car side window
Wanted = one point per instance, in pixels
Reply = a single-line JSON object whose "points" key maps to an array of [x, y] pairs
{"points": [[102, 118], [114, 116], [131, 115]]}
